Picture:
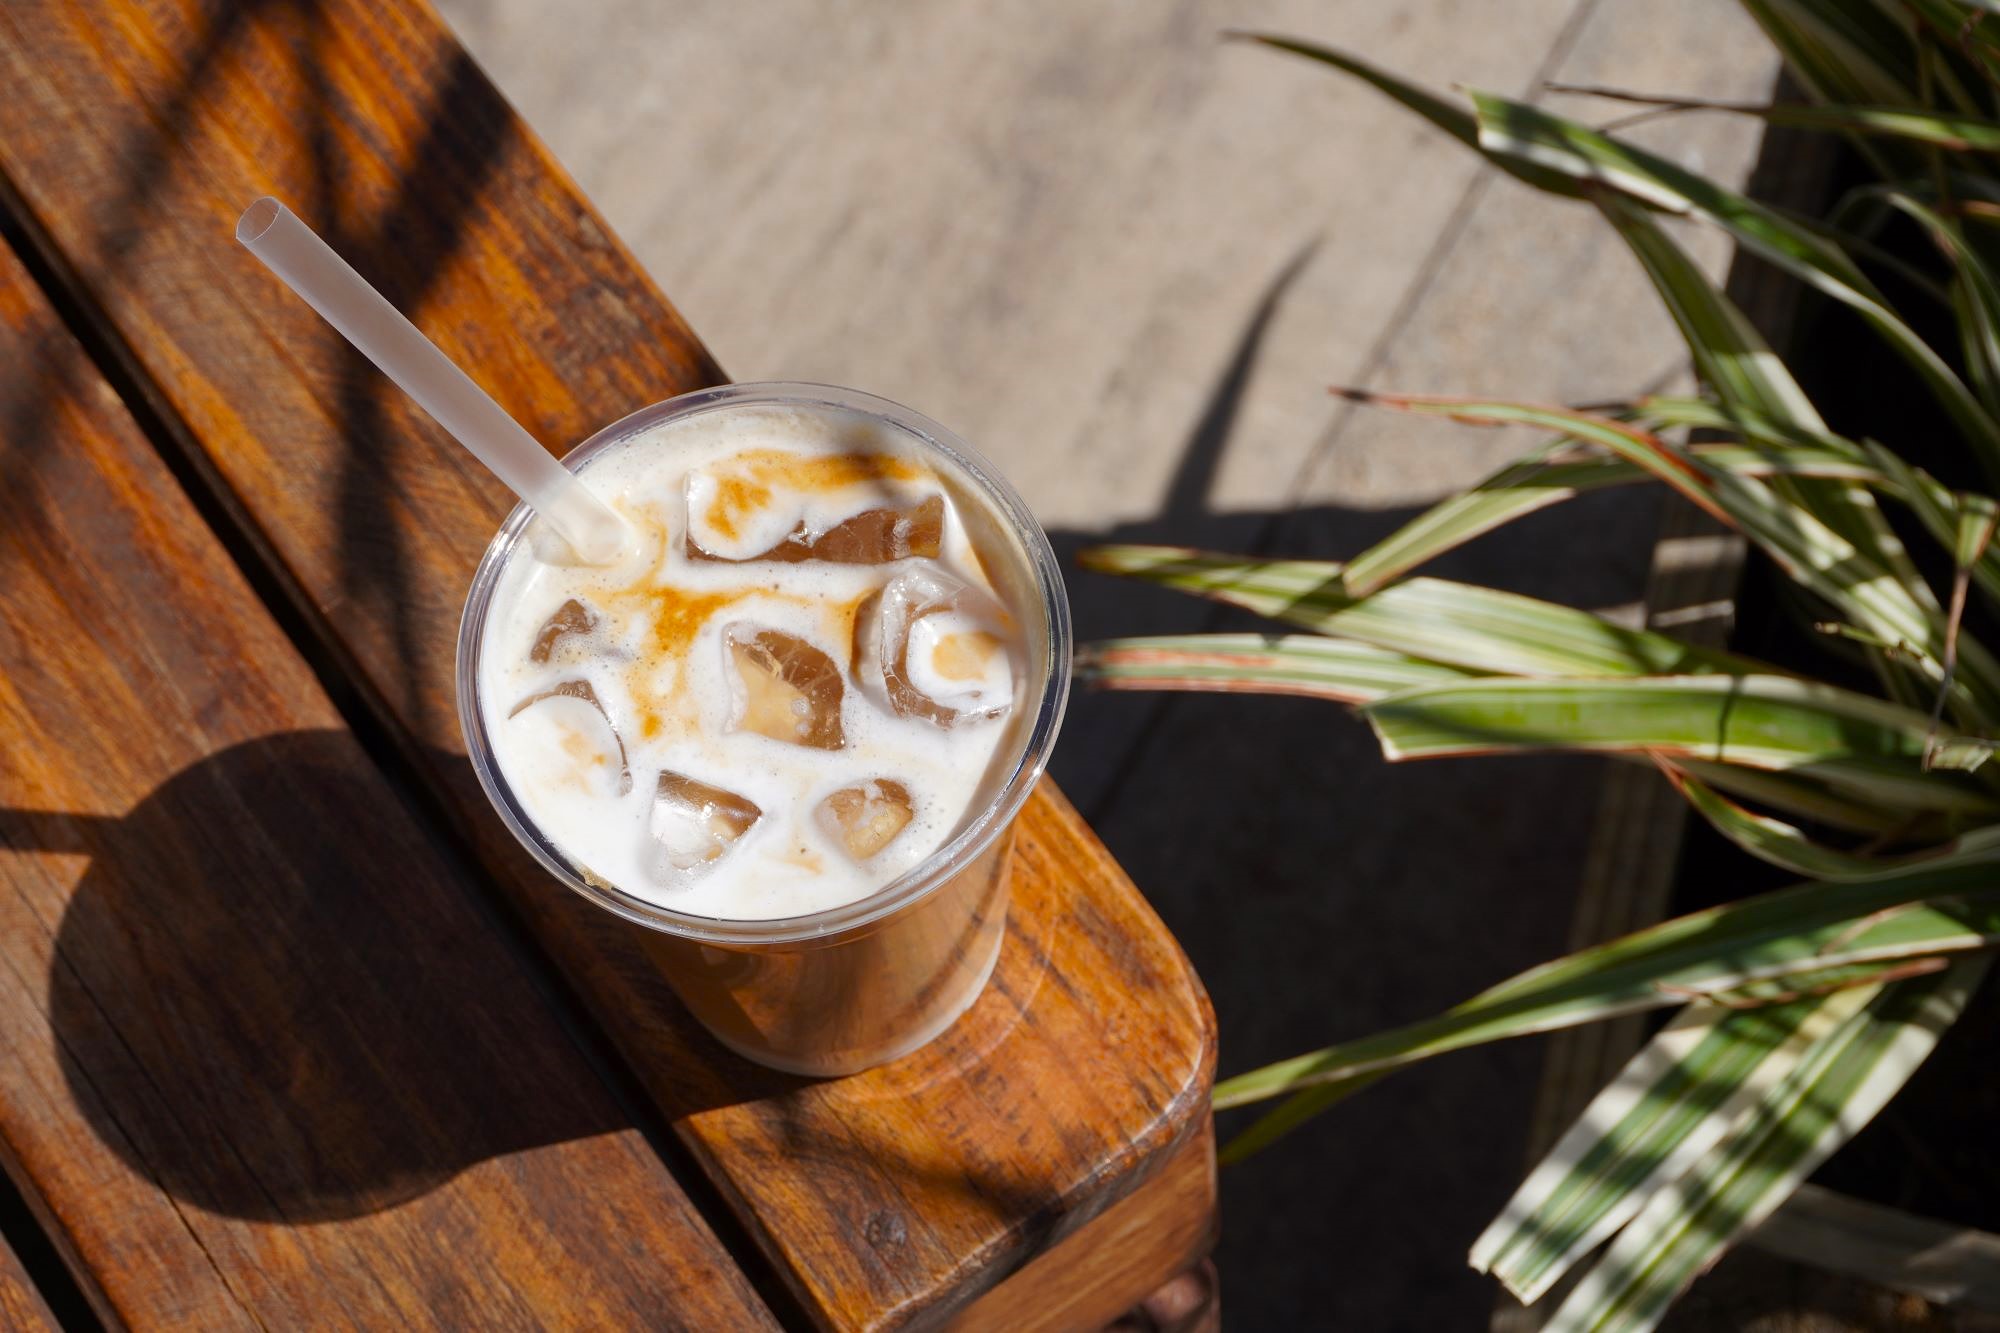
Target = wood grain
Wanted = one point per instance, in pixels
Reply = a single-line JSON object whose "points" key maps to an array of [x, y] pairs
{"points": [[266, 1062], [1141, 1242], [888, 1199], [21, 1305]]}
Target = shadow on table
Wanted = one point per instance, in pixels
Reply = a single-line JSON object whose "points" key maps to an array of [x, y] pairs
{"points": [[259, 1018], [257, 1015]]}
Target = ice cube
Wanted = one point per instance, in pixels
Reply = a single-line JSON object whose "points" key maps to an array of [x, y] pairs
{"points": [[578, 746], [692, 824], [933, 646], [871, 537], [571, 619], [783, 687], [959, 662], [866, 818]]}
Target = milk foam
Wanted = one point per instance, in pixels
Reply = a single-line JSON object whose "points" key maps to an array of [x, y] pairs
{"points": [[658, 668]]}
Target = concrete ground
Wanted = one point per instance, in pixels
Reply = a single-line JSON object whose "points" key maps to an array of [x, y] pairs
{"points": [[1126, 259]]}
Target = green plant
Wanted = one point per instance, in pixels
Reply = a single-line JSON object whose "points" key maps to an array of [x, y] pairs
{"points": [[1801, 1011]]}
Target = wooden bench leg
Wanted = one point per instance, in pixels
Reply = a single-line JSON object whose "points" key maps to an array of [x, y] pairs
{"points": [[1190, 1303]]}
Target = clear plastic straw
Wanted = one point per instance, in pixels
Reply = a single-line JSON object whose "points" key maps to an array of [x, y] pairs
{"points": [[293, 251]]}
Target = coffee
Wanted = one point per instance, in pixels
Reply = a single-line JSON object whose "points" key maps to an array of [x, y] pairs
{"points": [[790, 690], [788, 734]]}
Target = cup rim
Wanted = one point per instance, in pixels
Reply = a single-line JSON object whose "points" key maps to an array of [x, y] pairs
{"points": [[914, 884]]}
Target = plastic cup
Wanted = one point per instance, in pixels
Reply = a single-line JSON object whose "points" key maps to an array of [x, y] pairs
{"points": [[844, 989]]}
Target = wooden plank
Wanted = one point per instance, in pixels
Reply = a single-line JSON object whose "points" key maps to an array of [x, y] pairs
{"points": [[1139, 1243], [264, 1061], [21, 1305], [131, 142]]}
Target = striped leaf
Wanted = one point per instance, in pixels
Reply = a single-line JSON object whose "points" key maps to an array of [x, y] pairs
{"points": [[1731, 357], [1450, 117], [1843, 52], [1667, 1108], [1960, 133], [1810, 552], [1516, 130], [1799, 797], [1457, 624], [1545, 478], [1818, 452], [1950, 905], [1306, 664], [1662, 411], [1535, 482], [1956, 132], [1353, 673], [1784, 845], [1936, 507], [1848, 54], [1940, 129], [1975, 293], [1854, 743], [1742, 371], [1835, 1088]]}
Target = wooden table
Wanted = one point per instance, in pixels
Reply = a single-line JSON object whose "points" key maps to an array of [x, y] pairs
{"points": [[294, 1035]]}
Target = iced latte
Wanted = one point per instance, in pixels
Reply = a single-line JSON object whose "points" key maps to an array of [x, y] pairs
{"points": [[788, 729]]}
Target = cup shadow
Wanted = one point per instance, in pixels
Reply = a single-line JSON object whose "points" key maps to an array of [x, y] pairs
{"points": [[257, 1015]]}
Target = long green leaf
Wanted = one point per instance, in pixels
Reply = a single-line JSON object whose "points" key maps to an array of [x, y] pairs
{"points": [[1975, 294], [1845, 53], [1453, 119], [1347, 672], [1305, 664], [1662, 411], [1667, 1108], [1789, 848], [1742, 371], [1957, 132], [1951, 905], [1458, 624], [1731, 357], [1519, 489], [1783, 845], [1747, 376], [1936, 506], [1917, 124], [1799, 797], [1813, 554], [1517, 130], [1852, 742], [1543, 478], [1834, 1090]]}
